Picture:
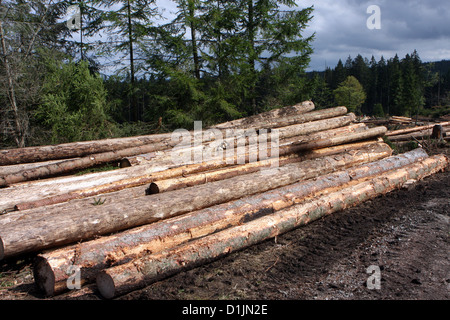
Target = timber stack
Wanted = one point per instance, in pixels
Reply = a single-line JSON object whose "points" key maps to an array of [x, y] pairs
{"points": [[184, 199]]}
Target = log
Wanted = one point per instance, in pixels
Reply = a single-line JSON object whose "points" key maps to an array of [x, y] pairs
{"points": [[95, 255], [33, 234], [56, 190], [84, 148], [340, 139], [258, 120], [415, 135], [76, 149], [121, 279], [101, 158], [15, 168], [169, 175], [159, 186], [287, 120], [415, 129], [315, 126], [86, 162]]}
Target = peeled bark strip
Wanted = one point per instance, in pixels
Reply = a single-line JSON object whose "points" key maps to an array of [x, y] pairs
{"points": [[140, 272], [34, 234], [258, 119], [95, 255]]}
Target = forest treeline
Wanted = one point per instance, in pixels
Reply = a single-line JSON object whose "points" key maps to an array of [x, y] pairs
{"points": [[208, 60], [394, 86]]}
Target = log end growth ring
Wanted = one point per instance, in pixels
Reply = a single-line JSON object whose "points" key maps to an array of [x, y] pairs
{"points": [[105, 285], [44, 276]]}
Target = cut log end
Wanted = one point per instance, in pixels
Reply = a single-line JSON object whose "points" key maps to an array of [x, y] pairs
{"points": [[105, 285], [44, 276], [152, 189], [124, 163]]}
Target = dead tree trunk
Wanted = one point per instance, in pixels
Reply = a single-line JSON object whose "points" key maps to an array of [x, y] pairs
{"points": [[137, 273], [34, 234], [95, 255]]}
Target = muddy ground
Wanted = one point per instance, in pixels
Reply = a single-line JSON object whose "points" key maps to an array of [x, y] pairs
{"points": [[404, 237]]}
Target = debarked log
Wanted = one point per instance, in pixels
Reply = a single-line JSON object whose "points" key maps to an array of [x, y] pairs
{"points": [[86, 162], [92, 256], [164, 168], [159, 186], [145, 270], [34, 234], [258, 120], [76, 149]]}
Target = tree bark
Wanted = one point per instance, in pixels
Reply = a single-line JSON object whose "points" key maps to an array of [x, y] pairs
{"points": [[159, 186], [143, 271], [75, 149], [45, 192], [33, 234], [80, 149], [315, 126], [255, 120], [95, 255], [101, 158]]}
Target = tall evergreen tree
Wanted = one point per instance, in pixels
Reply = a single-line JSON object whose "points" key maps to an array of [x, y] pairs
{"points": [[129, 28]]}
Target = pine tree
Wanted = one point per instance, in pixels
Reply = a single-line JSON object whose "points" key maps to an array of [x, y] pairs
{"points": [[395, 87], [129, 29]]}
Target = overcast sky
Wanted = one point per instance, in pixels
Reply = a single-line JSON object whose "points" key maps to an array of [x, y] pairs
{"points": [[341, 30]]}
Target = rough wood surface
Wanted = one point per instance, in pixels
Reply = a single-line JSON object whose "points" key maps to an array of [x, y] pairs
{"points": [[415, 129], [33, 234], [33, 194], [137, 273], [95, 255], [259, 119]]}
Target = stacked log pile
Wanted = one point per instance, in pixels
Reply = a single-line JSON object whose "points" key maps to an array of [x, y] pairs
{"points": [[159, 215]]}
